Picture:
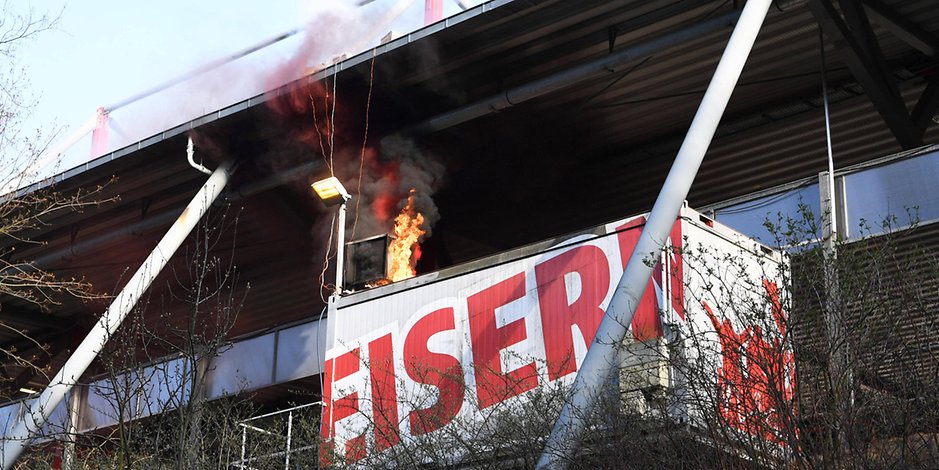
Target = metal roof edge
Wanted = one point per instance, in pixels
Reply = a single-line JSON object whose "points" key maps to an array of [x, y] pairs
{"points": [[266, 96]]}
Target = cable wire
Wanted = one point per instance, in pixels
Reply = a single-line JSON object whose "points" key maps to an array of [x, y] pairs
{"points": [[329, 245], [319, 134], [332, 125], [368, 105]]}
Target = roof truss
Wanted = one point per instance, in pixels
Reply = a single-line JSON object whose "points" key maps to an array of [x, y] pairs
{"points": [[849, 31]]}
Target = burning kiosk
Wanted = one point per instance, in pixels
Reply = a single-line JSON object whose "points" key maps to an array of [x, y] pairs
{"points": [[433, 353]]}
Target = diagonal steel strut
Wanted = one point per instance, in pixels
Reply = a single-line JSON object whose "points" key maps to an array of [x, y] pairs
{"points": [[602, 356], [39, 410]]}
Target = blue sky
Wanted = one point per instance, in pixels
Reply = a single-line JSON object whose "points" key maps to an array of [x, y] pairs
{"points": [[104, 51]]}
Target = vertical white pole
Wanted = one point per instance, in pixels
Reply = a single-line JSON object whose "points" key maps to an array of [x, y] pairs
{"points": [[839, 354], [69, 461], [832, 221], [244, 443], [289, 435], [40, 410], [340, 247], [601, 357]]}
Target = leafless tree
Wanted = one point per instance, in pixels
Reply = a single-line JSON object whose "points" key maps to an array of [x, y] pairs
{"points": [[24, 212], [150, 381], [887, 417], [156, 367]]}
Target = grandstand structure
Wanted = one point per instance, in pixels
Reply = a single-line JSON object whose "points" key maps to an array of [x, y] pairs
{"points": [[543, 118]]}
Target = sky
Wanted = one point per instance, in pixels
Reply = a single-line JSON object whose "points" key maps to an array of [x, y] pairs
{"points": [[102, 52]]}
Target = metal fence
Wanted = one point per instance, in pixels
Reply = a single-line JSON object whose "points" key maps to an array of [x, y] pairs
{"points": [[286, 438]]}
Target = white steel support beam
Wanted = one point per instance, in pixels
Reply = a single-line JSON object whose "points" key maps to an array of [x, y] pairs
{"points": [[601, 357], [40, 409]]}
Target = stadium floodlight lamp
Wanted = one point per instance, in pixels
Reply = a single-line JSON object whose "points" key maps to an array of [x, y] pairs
{"points": [[331, 191]]}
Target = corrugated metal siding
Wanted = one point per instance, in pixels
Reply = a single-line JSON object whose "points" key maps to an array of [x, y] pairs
{"points": [[890, 284]]}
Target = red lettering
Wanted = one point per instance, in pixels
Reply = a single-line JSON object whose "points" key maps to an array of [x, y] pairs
{"points": [[326, 422], [731, 403], [343, 407], [676, 272], [492, 385], [355, 448], [778, 367], [783, 362], [559, 313], [438, 370], [384, 394], [646, 324], [756, 398], [772, 291]]}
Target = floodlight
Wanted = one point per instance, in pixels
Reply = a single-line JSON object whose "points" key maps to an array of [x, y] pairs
{"points": [[331, 191]]}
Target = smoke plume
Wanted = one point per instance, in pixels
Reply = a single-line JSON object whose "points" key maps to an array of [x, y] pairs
{"points": [[398, 168], [380, 173]]}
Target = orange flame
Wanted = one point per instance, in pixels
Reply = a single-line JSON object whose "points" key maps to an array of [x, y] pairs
{"points": [[404, 250]]}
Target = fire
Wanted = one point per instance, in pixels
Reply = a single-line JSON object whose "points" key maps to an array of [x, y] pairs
{"points": [[404, 250]]}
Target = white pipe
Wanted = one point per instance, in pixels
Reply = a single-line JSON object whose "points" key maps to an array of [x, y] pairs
{"points": [[190, 157], [244, 440], [601, 357], [207, 67], [340, 247], [40, 409]]}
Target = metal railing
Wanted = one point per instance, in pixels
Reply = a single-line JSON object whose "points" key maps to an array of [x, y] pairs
{"points": [[273, 437]]}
